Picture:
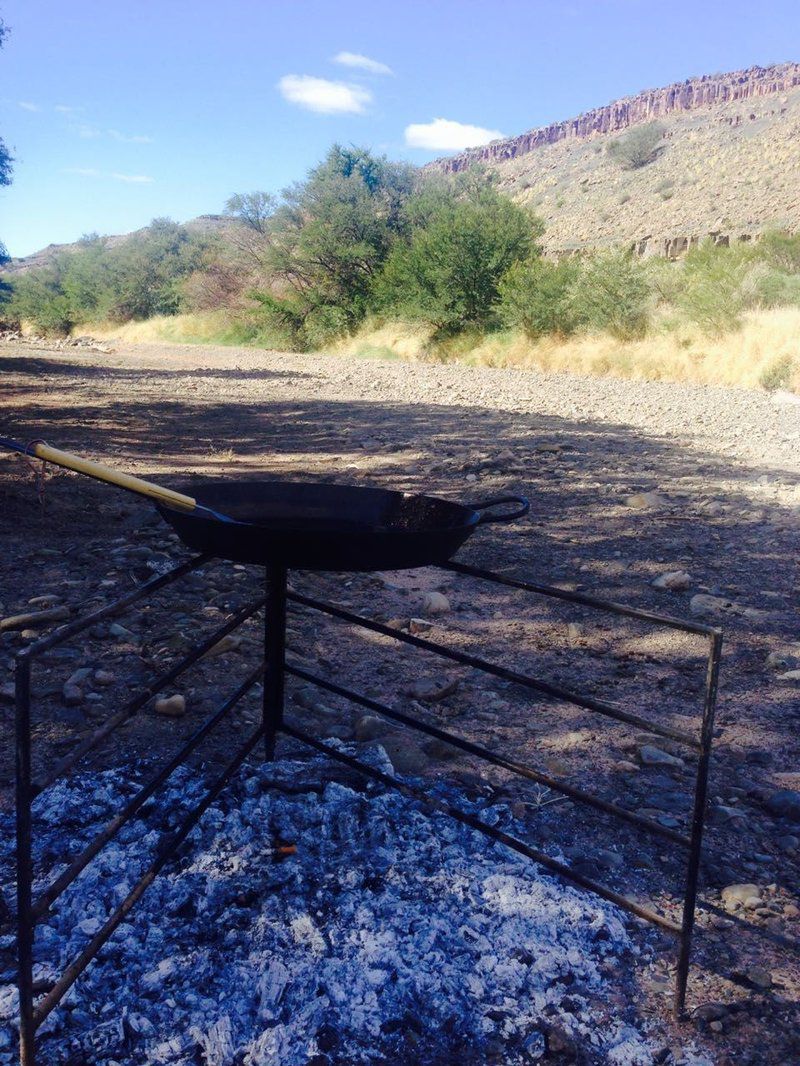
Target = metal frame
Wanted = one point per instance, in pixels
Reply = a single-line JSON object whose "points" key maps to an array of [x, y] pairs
{"points": [[273, 670]]}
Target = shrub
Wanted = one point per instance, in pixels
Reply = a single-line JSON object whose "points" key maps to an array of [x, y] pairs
{"points": [[536, 297], [638, 147], [611, 293], [778, 374], [448, 272], [712, 292]]}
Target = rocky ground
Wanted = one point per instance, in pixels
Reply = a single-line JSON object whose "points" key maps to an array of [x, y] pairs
{"points": [[675, 498]]}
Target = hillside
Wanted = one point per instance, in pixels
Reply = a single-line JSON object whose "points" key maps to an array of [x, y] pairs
{"points": [[204, 224], [729, 165]]}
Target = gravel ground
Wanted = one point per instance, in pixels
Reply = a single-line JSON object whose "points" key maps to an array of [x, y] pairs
{"points": [[628, 481]]}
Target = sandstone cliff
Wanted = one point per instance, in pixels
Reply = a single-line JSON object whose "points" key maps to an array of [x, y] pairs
{"points": [[646, 106]]}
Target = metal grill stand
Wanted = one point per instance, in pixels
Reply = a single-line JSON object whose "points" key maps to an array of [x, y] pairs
{"points": [[273, 670]]}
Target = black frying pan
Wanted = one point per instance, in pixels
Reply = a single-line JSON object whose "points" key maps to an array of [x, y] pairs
{"points": [[308, 526], [300, 525]]}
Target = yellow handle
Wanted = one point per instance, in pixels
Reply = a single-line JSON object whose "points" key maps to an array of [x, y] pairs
{"points": [[113, 477]]}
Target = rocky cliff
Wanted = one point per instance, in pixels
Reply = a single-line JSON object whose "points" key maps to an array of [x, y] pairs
{"points": [[690, 95]]}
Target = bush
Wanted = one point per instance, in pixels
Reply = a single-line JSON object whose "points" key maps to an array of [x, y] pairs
{"points": [[611, 294], [448, 272], [712, 292], [638, 147], [536, 297], [778, 374]]}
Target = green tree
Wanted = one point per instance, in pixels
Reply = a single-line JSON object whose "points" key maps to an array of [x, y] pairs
{"points": [[327, 238], [611, 294], [6, 159], [639, 146], [449, 269], [536, 297]]}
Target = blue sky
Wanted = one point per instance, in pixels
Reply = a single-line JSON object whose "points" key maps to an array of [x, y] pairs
{"points": [[119, 111]]}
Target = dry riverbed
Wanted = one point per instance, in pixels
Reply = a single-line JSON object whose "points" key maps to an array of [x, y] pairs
{"points": [[629, 482]]}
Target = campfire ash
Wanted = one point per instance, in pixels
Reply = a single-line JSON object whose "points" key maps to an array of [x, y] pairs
{"points": [[390, 936]]}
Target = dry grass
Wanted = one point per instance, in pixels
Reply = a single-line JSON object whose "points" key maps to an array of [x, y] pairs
{"points": [[739, 358], [210, 327]]}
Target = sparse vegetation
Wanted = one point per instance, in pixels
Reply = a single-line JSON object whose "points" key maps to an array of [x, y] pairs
{"points": [[366, 238], [638, 147]]}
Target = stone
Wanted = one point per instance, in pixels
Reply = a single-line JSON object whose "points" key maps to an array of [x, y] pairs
{"points": [[431, 691], [72, 694], [710, 1012], [734, 896], [652, 756], [230, 642], [34, 619], [405, 756], [104, 678], [417, 626], [439, 749], [120, 632], [370, 727], [704, 604], [8, 692], [784, 803], [435, 603], [44, 601], [171, 706], [673, 581], [645, 501], [575, 632], [790, 675], [786, 657]]}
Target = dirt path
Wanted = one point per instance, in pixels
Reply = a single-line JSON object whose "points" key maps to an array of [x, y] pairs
{"points": [[628, 481]]}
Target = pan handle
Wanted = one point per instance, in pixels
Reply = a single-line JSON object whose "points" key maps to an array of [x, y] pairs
{"points": [[484, 505], [43, 451]]}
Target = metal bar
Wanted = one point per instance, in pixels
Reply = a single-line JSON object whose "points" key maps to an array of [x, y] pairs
{"points": [[166, 851], [136, 704], [58, 636], [610, 710], [78, 864], [489, 831], [585, 601], [25, 919], [274, 655], [577, 794], [698, 821]]}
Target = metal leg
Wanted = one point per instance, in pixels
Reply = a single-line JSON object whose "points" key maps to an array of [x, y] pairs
{"points": [[698, 819], [274, 656], [25, 919]]}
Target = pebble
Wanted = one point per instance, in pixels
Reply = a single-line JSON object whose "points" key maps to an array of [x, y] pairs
{"points": [[72, 694], [710, 1012], [430, 691], [789, 675], [171, 706], [786, 657], [673, 581], [370, 727], [575, 631], [104, 677], [33, 619], [652, 756], [734, 896], [419, 625], [784, 803], [435, 603], [644, 501], [120, 632], [230, 642]]}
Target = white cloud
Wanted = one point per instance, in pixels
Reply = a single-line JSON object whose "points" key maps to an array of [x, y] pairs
{"points": [[27, 105], [129, 139], [64, 109], [134, 179], [447, 136], [88, 132], [91, 172], [323, 96], [359, 62]]}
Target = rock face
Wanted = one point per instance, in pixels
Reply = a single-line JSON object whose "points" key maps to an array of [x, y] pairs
{"points": [[647, 106]]}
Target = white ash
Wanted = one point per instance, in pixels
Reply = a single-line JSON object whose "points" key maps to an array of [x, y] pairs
{"points": [[392, 935]]}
